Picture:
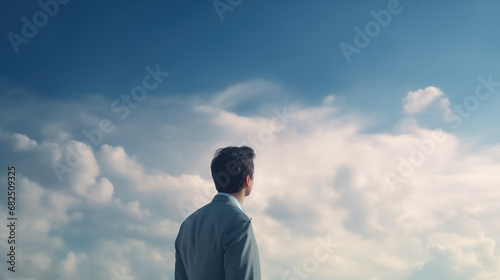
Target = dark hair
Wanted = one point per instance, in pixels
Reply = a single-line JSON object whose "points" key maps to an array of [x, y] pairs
{"points": [[231, 166]]}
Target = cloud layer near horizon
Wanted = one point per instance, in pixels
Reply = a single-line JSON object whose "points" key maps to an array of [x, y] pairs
{"points": [[400, 205]]}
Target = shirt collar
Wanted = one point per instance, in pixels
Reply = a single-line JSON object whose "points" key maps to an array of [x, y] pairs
{"points": [[233, 199]]}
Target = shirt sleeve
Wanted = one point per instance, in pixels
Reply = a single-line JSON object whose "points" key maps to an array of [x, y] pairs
{"points": [[241, 254]]}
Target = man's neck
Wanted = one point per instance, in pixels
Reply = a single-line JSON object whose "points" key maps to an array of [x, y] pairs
{"points": [[239, 196]]}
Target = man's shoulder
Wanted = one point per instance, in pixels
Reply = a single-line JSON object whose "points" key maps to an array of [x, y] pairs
{"points": [[227, 209], [217, 211]]}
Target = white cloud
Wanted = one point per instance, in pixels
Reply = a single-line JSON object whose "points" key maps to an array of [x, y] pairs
{"points": [[416, 101], [22, 142], [239, 93], [102, 192], [319, 176], [69, 265], [41, 261], [329, 99]]}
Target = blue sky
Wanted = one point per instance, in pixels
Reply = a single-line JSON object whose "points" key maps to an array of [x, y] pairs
{"points": [[97, 48], [352, 122]]}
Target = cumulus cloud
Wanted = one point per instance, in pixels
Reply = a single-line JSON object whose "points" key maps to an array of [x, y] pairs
{"points": [[22, 142], [70, 264], [102, 192], [417, 101], [319, 180]]}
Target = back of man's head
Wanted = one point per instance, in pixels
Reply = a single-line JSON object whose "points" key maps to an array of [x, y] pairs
{"points": [[230, 168]]}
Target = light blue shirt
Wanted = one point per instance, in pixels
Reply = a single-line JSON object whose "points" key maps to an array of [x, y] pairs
{"points": [[233, 199]]}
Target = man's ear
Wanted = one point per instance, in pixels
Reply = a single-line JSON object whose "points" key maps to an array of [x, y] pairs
{"points": [[247, 181]]}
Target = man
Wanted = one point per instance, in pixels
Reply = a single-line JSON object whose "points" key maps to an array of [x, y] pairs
{"points": [[217, 241]]}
